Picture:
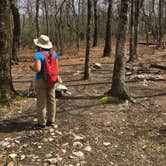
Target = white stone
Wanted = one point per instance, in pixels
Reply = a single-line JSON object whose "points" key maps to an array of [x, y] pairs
{"points": [[22, 157], [78, 154], [13, 156], [50, 139], [106, 143], [17, 141], [88, 148]]}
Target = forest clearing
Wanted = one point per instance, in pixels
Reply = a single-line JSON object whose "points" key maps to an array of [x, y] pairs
{"points": [[100, 66], [130, 133]]}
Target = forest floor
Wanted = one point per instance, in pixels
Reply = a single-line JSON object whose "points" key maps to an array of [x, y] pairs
{"points": [[89, 132]]}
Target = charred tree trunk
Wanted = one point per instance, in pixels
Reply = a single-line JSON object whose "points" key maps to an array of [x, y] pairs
{"points": [[6, 86], [118, 88], [16, 31], [108, 35], [86, 69], [37, 18], [95, 35]]}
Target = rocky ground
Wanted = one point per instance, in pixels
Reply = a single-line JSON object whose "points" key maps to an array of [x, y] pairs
{"points": [[89, 132]]}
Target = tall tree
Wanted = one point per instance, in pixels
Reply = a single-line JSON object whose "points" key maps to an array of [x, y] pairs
{"points": [[88, 34], [5, 51], [16, 30], [46, 17], [131, 30], [108, 35], [37, 18], [160, 34], [118, 88], [136, 5], [95, 35]]}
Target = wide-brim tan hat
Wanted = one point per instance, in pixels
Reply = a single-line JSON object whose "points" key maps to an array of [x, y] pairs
{"points": [[43, 42]]}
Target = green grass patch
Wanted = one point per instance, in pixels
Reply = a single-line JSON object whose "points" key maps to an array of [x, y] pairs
{"points": [[133, 95], [151, 145], [5, 101], [110, 99], [18, 98]]}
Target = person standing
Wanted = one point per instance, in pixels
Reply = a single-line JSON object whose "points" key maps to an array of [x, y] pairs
{"points": [[45, 92]]}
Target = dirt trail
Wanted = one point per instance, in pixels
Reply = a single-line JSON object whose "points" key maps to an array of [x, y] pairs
{"points": [[90, 133]]}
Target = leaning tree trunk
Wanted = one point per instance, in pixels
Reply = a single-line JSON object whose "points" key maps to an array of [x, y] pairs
{"points": [[86, 69], [118, 88], [16, 31], [108, 35], [95, 35], [5, 51], [37, 18]]}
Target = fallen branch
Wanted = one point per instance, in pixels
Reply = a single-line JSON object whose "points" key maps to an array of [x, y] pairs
{"points": [[145, 43], [158, 66]]}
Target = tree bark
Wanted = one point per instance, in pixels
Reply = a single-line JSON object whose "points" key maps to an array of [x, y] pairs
{"points": [[6, 86], [108, 35], [86, 68], [95, 35], [37, 18], [118, 88], [16, 31], [46, 17], [136, 6], [131, 30], [160, 34]]}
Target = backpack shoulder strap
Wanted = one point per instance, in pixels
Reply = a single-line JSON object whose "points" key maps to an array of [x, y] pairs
{"points": [[44, 53]]}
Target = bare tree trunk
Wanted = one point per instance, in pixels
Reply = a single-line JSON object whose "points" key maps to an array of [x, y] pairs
{"points": [[136, 21], [46, 17], [155, 26], [118, 88], [131, 30], [95, 35], [37, 18], [165, 17], [136, 5], [16, 31], [6, 86], [86, 69], [160, 34], [108, 35]]}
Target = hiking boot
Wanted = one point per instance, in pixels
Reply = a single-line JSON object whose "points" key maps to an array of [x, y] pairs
{"points": [[50, 124], [39, 127]]}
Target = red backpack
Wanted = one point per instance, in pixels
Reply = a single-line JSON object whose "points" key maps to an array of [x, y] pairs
{"points": [[50, 68]]}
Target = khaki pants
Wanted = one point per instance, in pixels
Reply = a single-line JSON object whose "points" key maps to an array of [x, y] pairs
{"points": [[46, 102]]}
